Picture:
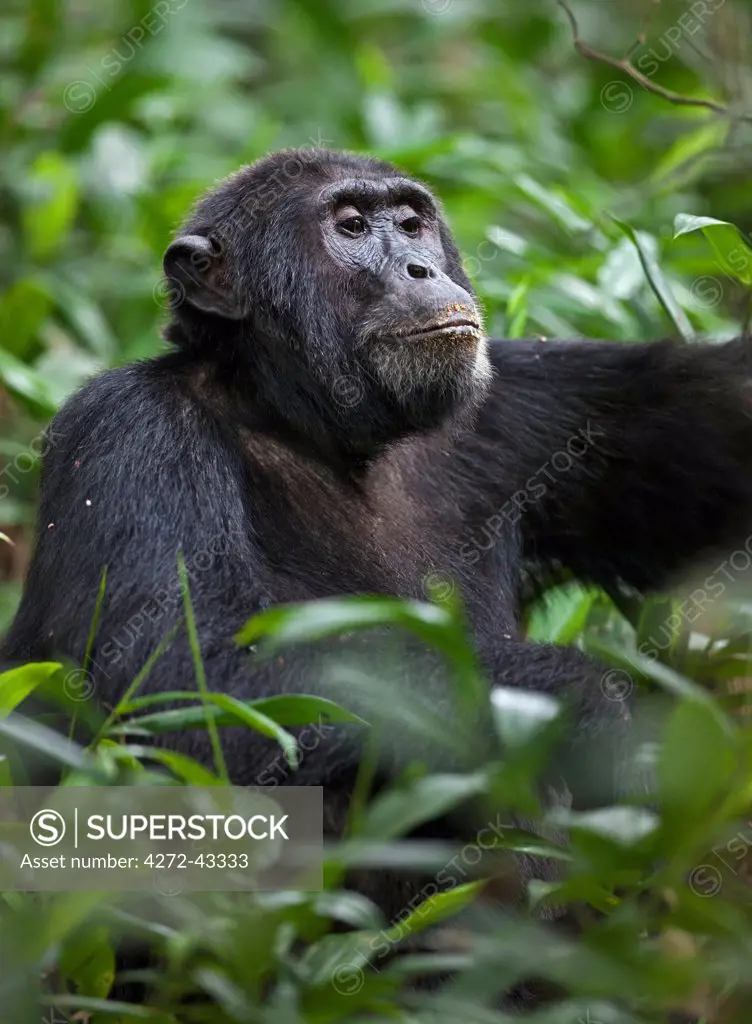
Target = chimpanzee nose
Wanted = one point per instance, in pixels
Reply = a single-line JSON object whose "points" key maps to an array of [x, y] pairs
{"points": [[415, 278]]}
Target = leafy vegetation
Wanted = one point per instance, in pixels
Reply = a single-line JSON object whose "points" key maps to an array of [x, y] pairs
{"points": [[592, 195]]}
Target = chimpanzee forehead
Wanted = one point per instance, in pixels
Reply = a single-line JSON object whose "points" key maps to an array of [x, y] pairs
{"points": [[377, 191]]}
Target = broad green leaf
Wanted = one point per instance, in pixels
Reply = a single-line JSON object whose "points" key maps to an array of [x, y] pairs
{"points": [[733, 254], [402, 809], [521, 715], [88, 961], [17, 683], [698, 760]]}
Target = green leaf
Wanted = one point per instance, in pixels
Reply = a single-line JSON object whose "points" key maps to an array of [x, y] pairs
{"points": [[181, 765], [658, 282], [109, 1008], [24, 307], [95, 619], [733, 254], [49, 215], [443, 627], [521, 715], [84, 316], [17, 683], [661, 628], [507, 240], [140, 677], [198, 664], [520, 840], [333, 955], [621, 275], [517, 309], [50, 744], [683, 154], [624, 826], [559, 616], [435, 909], [697, 762], [315, 620], [350, 908], [68, 912], [218, 708], [87, 960], [288, 709], [400, 810], [640, 665], [26, 384], [554, 204]]}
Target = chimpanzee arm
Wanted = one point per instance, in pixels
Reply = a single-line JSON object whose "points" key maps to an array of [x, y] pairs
{"points": [[622, 461]]}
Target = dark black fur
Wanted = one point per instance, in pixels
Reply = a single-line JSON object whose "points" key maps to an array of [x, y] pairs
{"points": [[270, 448]]}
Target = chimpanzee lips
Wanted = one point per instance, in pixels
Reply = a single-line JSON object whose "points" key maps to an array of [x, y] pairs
{"points": [[460, 327]]}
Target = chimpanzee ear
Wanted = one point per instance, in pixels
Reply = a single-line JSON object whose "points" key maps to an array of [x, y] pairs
{"points": [[194, 265]]}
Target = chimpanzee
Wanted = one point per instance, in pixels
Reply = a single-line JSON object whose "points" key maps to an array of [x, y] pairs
{"points": [[331, 419]]}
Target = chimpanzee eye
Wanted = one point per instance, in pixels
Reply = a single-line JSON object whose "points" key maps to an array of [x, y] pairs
{"points": [[353, 226], [411, 225]]}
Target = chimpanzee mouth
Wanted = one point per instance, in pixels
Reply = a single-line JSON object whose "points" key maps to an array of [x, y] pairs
{"points": [[462, 329]]}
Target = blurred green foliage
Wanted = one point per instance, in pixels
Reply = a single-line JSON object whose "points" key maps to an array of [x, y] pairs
{"points": [[565, 181], [116, 116]]}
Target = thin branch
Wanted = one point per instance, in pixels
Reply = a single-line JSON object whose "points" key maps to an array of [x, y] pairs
{"points": [[625, 64]]}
